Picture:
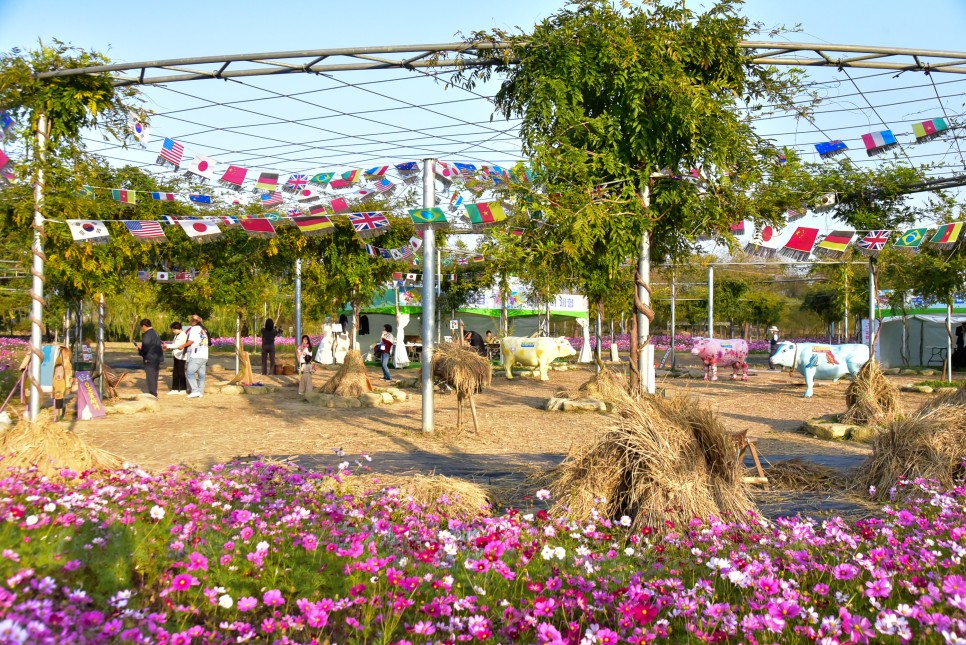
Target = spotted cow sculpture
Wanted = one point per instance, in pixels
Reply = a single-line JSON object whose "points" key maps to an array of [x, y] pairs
{"points": [[534, 352], [716, 351], [821, 361]]}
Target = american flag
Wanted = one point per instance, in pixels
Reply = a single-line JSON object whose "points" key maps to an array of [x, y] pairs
{"points": [[466, 169], [368, 221], [271, 199], [874, 240], [145, 230], [406, 252], [172, 151], [383, 185]]}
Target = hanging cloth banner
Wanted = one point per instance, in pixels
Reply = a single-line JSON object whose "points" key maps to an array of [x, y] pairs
{"points": [[911, 240], [424, 217], [873, 242], [351, 176], [763, 244], [408, 171], [485, 214], [878, 142], [947, 237], [929, 130], [267, 181], [200, 231], [339, 205], [314, 225], [835, 245], [369, 224], [163, 197], [465, 169], [171, 154], [799, 245], [738, 229], [271, 199], [258, 226], [383, 186], [88, 231], [295, 183], [830, 149], [234, 177], [89, 405], [146, 230], [318, 209], [795, 214], [307, 195], [338, 184], [322, 178], [204, 200], [85, 191], [202, 167], [376, 173], [124, 196]]}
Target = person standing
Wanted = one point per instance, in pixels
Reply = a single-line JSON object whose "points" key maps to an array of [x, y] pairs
{"points": [[304, 354], [152, 352], [197, 356], [179, 382], [772, 344], [386, 342], [268, 347], [474, 340]]}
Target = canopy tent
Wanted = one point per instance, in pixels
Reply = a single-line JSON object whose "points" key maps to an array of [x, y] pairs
{"points": [[926, 342]]}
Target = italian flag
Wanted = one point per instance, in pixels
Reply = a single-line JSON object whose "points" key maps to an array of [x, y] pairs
{"points": [[124, 196]]}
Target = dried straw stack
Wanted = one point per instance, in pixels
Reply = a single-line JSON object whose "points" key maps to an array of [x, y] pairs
{"points": [[872, 398], [798, 474], [931, 443], [666, 460], [351, 379], [606, 386], [463, 369], [438, 493], [51, 448]]}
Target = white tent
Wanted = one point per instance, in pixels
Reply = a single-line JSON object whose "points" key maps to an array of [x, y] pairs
{"points": [[927, 339]]}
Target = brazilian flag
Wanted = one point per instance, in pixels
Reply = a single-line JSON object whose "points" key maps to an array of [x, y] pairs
{"points": [[425, 216], [911, 239]]}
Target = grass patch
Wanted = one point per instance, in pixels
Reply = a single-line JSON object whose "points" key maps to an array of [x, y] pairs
{"points": [[935, 384]]}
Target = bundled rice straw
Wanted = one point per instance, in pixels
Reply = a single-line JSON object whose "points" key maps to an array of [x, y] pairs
{"points": [[51, 448], [438, 493], [802, 475], [872, 398], [606, 386], [931, 443], [666, 460], [351, 379], [465, 371]]}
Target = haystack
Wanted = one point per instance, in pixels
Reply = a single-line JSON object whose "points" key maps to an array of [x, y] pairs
{"points": [[351, 379], [51, 447], [666, 460], [465, 371], [438, 493], [872, 398], [606, 386], [802, 475], [931, 443]]}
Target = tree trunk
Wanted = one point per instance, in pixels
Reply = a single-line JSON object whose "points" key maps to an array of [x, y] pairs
{"points": [[356, 307], [635, 380]]}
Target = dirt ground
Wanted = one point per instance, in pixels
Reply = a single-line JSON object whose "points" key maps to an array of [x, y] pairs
{"points": [[516, 433]]}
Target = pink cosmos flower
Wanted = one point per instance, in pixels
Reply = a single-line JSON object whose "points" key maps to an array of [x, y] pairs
{"points": [[196, 562], [273, 598], [183, 581], [247, 603]]}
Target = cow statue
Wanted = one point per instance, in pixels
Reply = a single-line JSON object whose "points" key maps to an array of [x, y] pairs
{"points": [[819, 361], [715, 351], [534, 352]]}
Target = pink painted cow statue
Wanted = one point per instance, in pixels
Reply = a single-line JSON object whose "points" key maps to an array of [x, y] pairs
{"points": [[716, 351]]}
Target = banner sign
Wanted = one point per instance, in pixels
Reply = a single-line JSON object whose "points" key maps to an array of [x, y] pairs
{"points": [[89, 404]]}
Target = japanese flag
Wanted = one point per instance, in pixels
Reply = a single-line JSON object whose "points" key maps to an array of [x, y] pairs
{"points": [[199, 230], [307, 194], [202, 166]]}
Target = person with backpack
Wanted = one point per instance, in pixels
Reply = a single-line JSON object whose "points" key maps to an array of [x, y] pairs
{"points": [[197, 355]]}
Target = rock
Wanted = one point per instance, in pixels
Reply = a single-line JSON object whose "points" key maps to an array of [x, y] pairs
{"points": [[825, 429], [560, 368], [5, 418], [583, 405], [908, 372], [256, 390], [696, 373], [338, 402], [232, 389], [387, 398], [370, 399], [145, 397], [863, 434], [353, 402], [926, 372], [923, 389], [554, 404], [397, 394], [892, 371], [945, 390], [133, 407]]}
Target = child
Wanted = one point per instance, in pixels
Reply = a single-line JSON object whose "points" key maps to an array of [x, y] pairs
{"points": [[60, 389]]}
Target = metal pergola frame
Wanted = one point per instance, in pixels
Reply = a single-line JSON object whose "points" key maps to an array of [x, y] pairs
{"points": [[436, 56]]}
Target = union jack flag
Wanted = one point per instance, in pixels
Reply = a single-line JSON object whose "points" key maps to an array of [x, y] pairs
{"points": [[363, 222], [296, 183], [874, 241], [271, 199]]}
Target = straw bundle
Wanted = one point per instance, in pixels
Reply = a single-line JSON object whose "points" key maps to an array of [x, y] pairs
{"points": [[666, 460], [605, 385], [51, 448], [803, 475], [349, 380], [872, 398], [437, 493], [931, 443], [466, 372]]}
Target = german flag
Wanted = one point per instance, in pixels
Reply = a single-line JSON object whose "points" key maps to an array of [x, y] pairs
{"points": [[835, 244], [314, 225]]}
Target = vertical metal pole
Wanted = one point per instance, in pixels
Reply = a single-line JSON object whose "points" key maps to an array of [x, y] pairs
{"points": [[872, 295], [598, 351], [439, 281], [298, 302], [645, 355], [428, 296], [238, 345], [674, 295], [100, 343], [37, 270], [845, 323], [949, 341], [711, 302]]}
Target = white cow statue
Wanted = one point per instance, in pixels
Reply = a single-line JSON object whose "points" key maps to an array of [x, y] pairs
{"points": [[534, 352], [819, 361]]}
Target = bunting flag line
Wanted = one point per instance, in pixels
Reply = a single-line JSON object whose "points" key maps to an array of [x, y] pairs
{"points": [[338, 183], [322, 178], [295, 183], [230, 220], [88, 231], [202, 167], [446, 172], [383, 186], [911, 239], [423, 217], [258, 226], [738, 229], [485, 214], [351, 176], [6, 122], [465, 169], [799, 245], [825, 202], [314, 225], [200, 231], [408, 171], [167, 276], [873, 242], [929, 130], [947, 236], [455, 201], [369, 224], [834, 245], [124, 196], [318, 209], [829, 149], [415, 242], [307, 195], [376, 173], [763, 244], [140, 131], [200, 199], [85, 191], [146, 230], [877, 143], [267, 181], [271, 199], [159, 197], [339, 205], [235, 199], [171, 153], [6, 168], [795, 214], [371, 250], [234, 177]]}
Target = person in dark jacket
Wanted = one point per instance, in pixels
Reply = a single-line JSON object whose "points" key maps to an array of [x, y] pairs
{"points": [[474, 340], [268, 347], [152, 352]]}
